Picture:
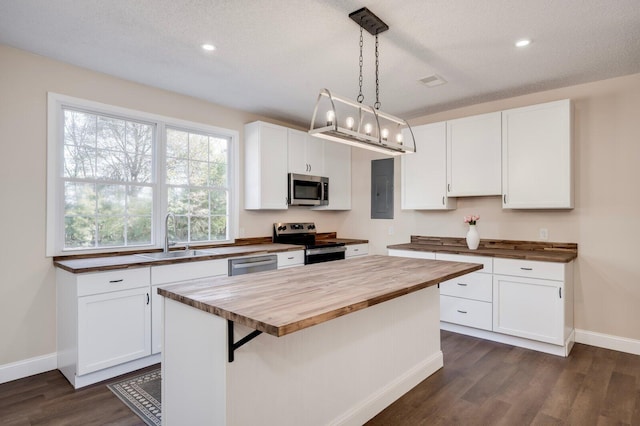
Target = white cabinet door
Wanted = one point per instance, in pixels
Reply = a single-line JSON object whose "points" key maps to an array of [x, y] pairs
{"points": [[424, 174], [113, 328], [537, 157], [337, 167], [265, 153], [305, 153], [474, 155], [528, 307]]}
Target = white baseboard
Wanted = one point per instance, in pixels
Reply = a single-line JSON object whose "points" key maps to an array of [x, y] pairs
{"points": [[608, 341], [386, 395], [28, 367]]}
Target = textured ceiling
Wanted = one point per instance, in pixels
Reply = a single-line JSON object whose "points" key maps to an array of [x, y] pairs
{"points": [[273, 56]]}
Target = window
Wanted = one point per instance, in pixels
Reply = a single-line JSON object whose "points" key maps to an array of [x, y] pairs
{"points": [[113, 175]]}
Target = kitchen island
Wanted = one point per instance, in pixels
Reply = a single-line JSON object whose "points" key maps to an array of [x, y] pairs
{"points": [[339, 342]]}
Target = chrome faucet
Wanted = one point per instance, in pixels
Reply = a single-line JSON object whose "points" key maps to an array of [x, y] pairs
{"points": [[166, 230]]}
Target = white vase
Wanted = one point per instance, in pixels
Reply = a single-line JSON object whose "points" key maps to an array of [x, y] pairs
{"points": [[473, 239]]}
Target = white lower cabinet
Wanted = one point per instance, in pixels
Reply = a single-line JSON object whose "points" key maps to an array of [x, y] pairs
{"points": [[355, 250], [518, 302], [113, 328], [165, 275], [534, 300], [103, 324]]}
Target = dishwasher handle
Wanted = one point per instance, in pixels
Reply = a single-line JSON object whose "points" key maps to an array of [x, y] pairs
{"points": [[252, 264]]}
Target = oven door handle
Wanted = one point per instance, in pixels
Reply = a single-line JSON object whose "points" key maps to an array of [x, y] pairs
{"points": [[324, 250]]}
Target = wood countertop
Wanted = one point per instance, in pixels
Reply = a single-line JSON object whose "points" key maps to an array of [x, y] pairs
{"points": [[285, 301], [508, 249], [96, 264]]}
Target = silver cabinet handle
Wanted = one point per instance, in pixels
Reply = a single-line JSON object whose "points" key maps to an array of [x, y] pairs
{"points": [[443, 200], [290, 258], [116, 281], [356, 249], [147, 298], [527, 269], [462, 312], [504, 198], [448, 187], [462, 284]]}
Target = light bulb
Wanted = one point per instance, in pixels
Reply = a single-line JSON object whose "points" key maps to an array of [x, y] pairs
{"points": [[350, 122], [399, 138], [385, 134], [367, 129], [330, 117]]}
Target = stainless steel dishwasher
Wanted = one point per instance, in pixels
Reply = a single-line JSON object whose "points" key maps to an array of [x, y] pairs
{"points": [[249, 265]]}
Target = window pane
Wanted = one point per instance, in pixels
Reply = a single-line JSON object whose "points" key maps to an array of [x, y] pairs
{"points": [[199, 202], [79, 231], [198, 173], [138, 168], [111, 231], [199, 228], [111, 200], [218, 202], [139, 200], [218, 149], [218, 227], [79, 161], [111, 134], [177, 144], [218, 175], [79, 129], [178, 201], [198, 147], [111, 165], [181, 233], [79, 199], [177, 172], [139, 138], [139, 230]]}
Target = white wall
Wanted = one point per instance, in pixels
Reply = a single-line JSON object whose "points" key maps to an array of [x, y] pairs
{"points": [[604, 222]]}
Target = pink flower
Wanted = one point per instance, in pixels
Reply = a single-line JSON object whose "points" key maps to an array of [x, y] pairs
{"points": [[471, 220]]}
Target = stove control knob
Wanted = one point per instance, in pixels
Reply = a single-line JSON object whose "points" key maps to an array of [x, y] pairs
{"points": [[312, 226], [282, 228]]}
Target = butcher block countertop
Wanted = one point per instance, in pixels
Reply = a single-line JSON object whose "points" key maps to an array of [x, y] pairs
{"points": [[96, 264], [509, 249], [282, 302]]}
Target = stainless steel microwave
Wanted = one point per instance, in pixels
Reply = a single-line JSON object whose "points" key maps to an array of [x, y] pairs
{"points": [[306, 190]]}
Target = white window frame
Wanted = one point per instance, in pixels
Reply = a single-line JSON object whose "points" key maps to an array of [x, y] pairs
{"points": [[55, 160]]}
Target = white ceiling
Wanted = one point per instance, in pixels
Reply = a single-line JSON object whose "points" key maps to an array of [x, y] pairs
{"points": [[273, 56]]}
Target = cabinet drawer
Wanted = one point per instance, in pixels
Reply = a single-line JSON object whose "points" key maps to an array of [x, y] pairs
{"points": [[487, 262], [104, 282], [471, 313], [529, 268], [413, 254], [290, 258], [473, 286], [189, 271], [356, 250]]}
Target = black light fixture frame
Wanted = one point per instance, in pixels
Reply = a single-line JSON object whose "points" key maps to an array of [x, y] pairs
{"points": [[369, 21]]}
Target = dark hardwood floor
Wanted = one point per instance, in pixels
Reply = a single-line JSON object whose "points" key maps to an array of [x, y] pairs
{"points": [[482, 383]]}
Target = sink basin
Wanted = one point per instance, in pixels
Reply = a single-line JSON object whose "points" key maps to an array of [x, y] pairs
{"points": [[175, 254]]}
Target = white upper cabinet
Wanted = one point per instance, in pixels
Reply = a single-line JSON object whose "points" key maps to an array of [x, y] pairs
{"points": [[424, 174], [337, 167], [473, 156], [305, 153], [265, 153], [537, 157]]}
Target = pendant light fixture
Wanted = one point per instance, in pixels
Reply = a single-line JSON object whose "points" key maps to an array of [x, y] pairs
{"points": [[353, 123]]}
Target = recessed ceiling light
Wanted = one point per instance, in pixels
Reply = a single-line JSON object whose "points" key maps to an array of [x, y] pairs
{"points": [[522, 43], [208, 47]]}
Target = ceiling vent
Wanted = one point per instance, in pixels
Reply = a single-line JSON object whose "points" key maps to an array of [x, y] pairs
{"points": [[433, 80]]}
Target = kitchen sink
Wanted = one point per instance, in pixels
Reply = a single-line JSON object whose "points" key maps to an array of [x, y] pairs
{"points": [[175, 254]]}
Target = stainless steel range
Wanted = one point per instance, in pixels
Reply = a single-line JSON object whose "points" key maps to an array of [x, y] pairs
{"points": [[305, 234]]}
